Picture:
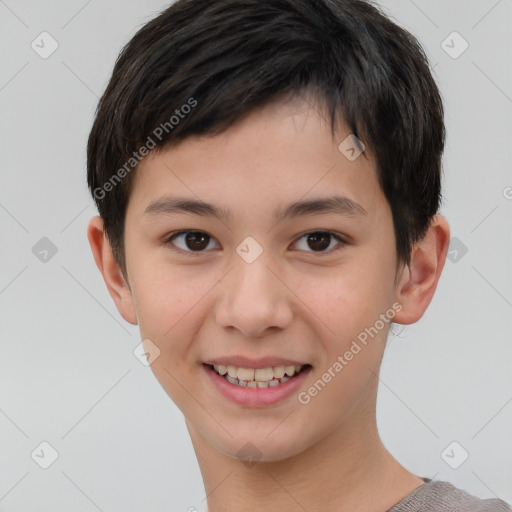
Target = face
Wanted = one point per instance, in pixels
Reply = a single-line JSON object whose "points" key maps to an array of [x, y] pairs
{"points": [[263, 280]]}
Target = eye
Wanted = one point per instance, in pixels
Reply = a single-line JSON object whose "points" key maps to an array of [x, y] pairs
{"points": [[320, 240], [196, 242]]}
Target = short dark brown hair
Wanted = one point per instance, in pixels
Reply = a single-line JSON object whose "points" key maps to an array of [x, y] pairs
{"points": [[223, 58]]}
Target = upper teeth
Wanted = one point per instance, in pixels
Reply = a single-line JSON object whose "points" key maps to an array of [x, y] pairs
{"points": [[258, 374]]}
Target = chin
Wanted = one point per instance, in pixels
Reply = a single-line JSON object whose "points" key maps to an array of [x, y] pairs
{"points": [[274, 447]]}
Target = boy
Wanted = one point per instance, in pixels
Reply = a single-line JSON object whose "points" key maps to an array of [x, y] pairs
{"points": [[232, 139]]}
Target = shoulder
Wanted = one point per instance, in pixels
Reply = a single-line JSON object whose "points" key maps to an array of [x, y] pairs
{"points": [[440, 496]]}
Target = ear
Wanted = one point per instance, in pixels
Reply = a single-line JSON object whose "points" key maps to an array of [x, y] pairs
{"points": [[116, 284], [418, 280]]}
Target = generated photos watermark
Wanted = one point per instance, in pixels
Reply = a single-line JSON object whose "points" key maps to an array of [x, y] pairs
{"points": [[158, 133], [304, 397]]}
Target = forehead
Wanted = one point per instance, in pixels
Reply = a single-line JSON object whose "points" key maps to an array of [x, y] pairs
{"points": [[280, 153]]}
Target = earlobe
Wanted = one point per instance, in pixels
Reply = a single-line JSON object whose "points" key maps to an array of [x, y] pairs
{"points": [[116, 284], [419, 278]]}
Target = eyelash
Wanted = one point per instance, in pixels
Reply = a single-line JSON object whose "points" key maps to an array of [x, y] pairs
{"points": [[168, 241]]}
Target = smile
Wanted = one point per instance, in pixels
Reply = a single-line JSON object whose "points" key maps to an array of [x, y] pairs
{"points": [[258, 377]]}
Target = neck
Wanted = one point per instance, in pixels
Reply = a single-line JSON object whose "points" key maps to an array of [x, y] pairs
{"points": [[348, 469]]}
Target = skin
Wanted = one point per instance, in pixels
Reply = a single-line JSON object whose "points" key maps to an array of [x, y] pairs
{"points": [[294, 300]]}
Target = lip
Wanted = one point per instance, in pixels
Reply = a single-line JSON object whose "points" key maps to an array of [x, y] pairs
{"points": [[256, 397], [245, 362]]}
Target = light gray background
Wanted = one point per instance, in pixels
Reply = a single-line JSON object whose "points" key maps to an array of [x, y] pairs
{"points": [[68, 375]]}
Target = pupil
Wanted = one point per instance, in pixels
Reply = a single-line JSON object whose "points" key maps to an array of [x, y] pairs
{"points": [[315, 237], [195, 237]]}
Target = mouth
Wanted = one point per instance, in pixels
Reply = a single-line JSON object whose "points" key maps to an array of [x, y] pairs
{"points": [[258, 377]]}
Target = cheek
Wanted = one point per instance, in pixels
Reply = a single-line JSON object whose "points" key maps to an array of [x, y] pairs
{"points": [[168, 306], [350, 305], [349, 296], [165, 300]]}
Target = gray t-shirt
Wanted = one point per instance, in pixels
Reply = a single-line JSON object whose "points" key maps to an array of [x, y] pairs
{"points": [[440, 496]]}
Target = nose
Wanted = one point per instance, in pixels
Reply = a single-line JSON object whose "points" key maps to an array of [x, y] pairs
{"points": [[254, 298]]}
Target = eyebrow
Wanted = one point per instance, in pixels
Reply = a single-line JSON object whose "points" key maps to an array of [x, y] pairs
{"points": [[333, 204]]}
